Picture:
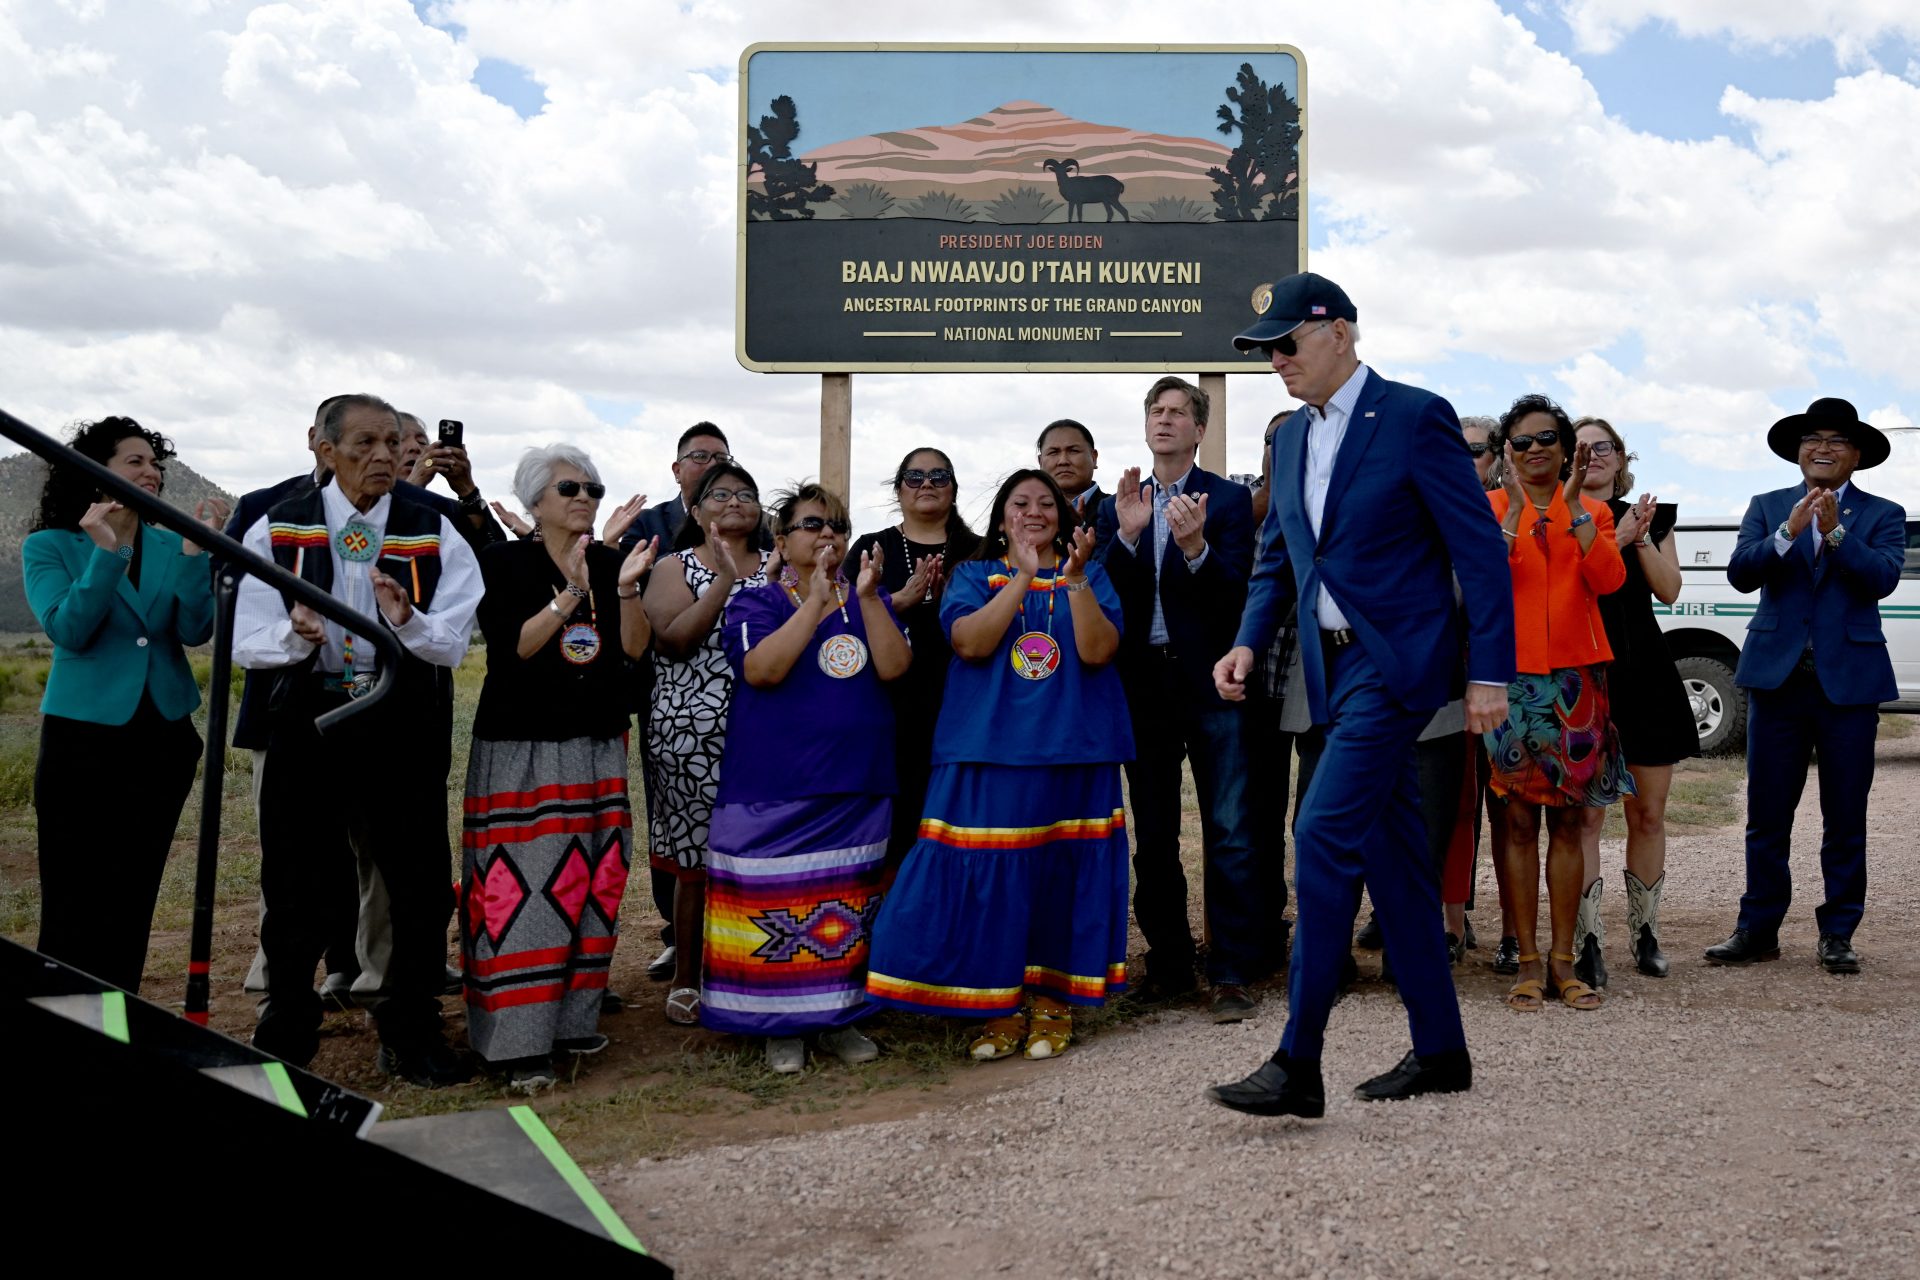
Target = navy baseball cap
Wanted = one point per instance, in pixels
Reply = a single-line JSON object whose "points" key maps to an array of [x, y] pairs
{"points": [[1292, 302]]}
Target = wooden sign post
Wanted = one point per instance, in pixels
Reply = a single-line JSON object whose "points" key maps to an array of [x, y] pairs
{"points": [[836, 432]]}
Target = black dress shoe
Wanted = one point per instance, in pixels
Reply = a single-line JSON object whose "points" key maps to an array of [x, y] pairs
{"points": [[431, 1064], [1647, 956], [1744, 946], [1506, 957], [1591, 967], [1836, 954], [1231, 1003], [1449, 1072], [1370, 938], [1281, 1087]]}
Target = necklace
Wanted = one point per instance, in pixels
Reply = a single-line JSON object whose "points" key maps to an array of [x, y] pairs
{"points": [[1036, 654], [906, 555], [841, 655], [580, 641]]}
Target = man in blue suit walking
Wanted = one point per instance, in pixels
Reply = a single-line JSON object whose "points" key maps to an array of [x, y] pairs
{"points": [[1375, 511], [1822, 554]]}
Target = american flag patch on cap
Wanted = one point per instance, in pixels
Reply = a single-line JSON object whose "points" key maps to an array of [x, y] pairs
{"points": [[1318, 311]]}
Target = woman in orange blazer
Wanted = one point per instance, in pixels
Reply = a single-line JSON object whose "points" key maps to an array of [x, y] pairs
{"points": [[1558, 750]]}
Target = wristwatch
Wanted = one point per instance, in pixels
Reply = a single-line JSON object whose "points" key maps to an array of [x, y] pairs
{"points": [[473, 502], [1783, 532]]}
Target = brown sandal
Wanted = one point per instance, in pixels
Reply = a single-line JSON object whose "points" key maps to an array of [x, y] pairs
{"points": [[999, 1037], [1529, 995], [1052, 1031], [1572, 992]]}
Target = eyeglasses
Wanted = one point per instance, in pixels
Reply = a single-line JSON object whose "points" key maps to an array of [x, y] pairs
{"points": [[1820, 440], [1545, 439], [1477, 450], [721, 497], [1601, 448], [814, 524], [939, 478], [1286, 345], [704, 456], [571, 488]]}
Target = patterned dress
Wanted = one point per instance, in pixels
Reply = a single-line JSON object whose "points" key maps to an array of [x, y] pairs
{"points": [[687, 731]]}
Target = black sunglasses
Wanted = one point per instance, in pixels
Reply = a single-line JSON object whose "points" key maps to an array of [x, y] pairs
{"points": [[570, 488], [1285, 344], [939, 478], [814, 524], [1545, 439], [1479, 450]]}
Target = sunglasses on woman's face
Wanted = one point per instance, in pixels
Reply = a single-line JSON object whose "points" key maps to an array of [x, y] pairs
{"points": [[572, 488], [1479, 450], [939, 478], [1545, 439], [814, 524]]}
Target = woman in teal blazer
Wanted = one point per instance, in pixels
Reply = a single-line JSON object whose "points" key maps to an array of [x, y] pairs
{"points": [[120, 601]]}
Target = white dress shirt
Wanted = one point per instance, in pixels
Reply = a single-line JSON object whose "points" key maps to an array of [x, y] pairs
{"points": [[1325, 431], [263, 634]]}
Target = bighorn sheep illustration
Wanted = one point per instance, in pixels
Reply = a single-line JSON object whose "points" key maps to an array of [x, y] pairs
{"points": [[1092, 189]]}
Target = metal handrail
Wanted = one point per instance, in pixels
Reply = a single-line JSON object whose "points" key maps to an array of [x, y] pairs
{"points": [[232, 559]]}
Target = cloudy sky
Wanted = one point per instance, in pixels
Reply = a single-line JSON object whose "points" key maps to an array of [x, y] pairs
{"points": [[1689, 216]]}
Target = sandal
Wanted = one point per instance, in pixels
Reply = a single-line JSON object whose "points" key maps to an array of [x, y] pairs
{"points": [[1573, 991], [1051, 1032], [683, 1006], [1528, 995], [999, 1037]]}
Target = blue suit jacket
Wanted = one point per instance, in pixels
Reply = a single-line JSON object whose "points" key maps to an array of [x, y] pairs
{"points": [[1201, 606], [112, 642], [1831, 601], [1405, 514]]}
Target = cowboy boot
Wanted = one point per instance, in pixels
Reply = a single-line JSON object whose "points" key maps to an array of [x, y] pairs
{"points": [[1643, 924], [1588, 937]]}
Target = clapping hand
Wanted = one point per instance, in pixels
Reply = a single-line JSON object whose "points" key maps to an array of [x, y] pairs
{"points": [[1637, 520], [1510, 481], [1024, 555], [519, 528], [1080, 550], [924, 583], [1826, 511], [1577, 478], [867, 585], [576, 566], [94, 524], [638, 561], [1797, 520], [1187, 522], [211, 512], [392, 598], [621, 518], [820, 585], [1131, 508], [726, 570]]}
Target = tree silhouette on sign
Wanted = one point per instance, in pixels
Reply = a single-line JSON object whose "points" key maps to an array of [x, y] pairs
{"points": [[787, 182], [1265, 164]]}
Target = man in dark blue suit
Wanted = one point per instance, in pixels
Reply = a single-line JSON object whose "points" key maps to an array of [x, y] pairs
{"points": [[1375, 510], [1822, 554], [1178, 546]]}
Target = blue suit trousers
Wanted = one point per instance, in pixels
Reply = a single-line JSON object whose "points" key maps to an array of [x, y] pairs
{"points": [[1784, 727], [1360, 823]]}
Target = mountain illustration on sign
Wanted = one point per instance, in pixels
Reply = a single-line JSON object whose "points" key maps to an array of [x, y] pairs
{"points": [[982, 169]]}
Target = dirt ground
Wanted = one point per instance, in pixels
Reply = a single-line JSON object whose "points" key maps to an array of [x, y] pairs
{"points": [[1719, 1122]]}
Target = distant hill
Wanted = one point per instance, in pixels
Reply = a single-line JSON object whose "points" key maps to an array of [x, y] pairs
{"points": [[990, 155], [21, 478]]}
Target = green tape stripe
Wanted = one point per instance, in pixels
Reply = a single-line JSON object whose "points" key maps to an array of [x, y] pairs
{"points": [[113, 1015], [563, 1164], [283, 1090]]}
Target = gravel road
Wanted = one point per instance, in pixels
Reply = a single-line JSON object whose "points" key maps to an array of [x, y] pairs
{"points": [[1717, 1123]]}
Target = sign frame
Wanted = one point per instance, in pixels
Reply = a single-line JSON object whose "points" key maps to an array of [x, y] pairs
{"points": [[1222, 366]]}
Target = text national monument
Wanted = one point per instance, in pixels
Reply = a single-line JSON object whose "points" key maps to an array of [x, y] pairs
{"points": [[1044, 208]]}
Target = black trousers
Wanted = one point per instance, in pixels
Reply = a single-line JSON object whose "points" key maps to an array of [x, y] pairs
{"points": [[108, 798], [372, 788]]}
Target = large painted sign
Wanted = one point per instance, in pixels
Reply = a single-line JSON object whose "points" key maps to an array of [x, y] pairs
{"points": [[1049, 207]]}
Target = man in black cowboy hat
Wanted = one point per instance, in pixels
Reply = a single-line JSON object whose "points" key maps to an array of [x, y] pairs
{"points": [[1822, 554]]}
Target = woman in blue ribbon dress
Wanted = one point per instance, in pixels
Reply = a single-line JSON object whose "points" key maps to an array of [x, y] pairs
{"points": [[1012, 904]]}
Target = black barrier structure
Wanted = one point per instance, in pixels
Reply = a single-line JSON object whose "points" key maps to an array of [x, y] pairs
{"points": [[147, 1121]]}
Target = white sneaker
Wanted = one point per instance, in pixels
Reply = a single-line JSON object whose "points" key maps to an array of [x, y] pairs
{"points": [[786, 1055], [849, 1045]]}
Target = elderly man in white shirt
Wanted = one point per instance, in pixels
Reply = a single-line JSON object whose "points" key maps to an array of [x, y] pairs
{"points": [[365, 784]]}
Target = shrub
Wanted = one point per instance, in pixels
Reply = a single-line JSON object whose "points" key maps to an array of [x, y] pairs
{"points": [[1174, 209], [943, 205], [864, 200], [1023, 204]]}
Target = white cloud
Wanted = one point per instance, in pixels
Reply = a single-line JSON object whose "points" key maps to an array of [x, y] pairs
{"points": [[1850, 26], [213, 214]]}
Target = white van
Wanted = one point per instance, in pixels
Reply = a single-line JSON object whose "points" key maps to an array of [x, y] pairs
{"points": [[1707, 625]]}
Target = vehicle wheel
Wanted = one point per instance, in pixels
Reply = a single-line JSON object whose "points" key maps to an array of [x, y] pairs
{"points": [[1719, 705]]}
